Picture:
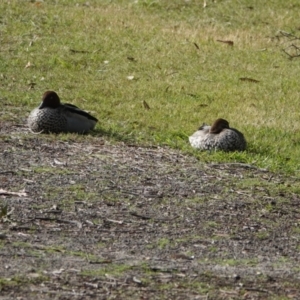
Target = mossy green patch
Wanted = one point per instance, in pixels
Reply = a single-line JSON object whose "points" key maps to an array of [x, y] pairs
{"points": [[171, 56]]}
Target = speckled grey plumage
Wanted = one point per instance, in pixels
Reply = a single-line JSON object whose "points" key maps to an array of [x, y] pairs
{"points": [[59, 117], [228, 139], [48, 120]]}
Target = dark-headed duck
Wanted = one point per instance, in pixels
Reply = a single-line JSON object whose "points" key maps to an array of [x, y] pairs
{"points": [[53, 116], [219, 136]]}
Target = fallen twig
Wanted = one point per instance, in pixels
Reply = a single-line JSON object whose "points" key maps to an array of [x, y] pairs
{"points": [[289, 35], [140, 216], [8, 172], [7, 193], [296, 48]]}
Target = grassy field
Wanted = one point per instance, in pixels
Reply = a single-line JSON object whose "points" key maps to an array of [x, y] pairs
{"points": [[110, 57], [110, 215]]}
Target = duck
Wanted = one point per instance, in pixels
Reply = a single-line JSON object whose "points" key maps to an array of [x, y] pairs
{"points": [[219, 136], [51, 116]]}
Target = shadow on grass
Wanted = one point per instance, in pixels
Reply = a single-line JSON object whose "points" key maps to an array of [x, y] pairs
{"points": [[113, 134]]}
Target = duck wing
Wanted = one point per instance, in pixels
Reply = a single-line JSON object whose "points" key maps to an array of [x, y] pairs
{"points": [[74, 109], [71, 106]]}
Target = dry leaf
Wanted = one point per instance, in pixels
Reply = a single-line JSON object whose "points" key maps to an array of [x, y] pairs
{"points": [[28, 65], [249, 79], [182, 256], [146, 105], [78, 51], [204, 4], [57, 272], [136, 280], [196, 46], [229, 43], [131, 58], [23, 234], [57, 162], [31, 85]]}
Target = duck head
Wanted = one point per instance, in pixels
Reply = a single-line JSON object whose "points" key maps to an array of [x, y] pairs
{"points": [[50, 99], [218, 126]]}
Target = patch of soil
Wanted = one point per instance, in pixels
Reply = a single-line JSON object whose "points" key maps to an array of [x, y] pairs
{"points": [[91, 220]]}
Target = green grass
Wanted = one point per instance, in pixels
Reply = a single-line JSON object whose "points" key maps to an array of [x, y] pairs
{"points": [[22, 280], [86, 53], [241, 262]]}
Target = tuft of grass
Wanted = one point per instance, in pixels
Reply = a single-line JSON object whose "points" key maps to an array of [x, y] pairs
{"points": [[168, 55], [18, 281], [111, 269], [234, 262]]}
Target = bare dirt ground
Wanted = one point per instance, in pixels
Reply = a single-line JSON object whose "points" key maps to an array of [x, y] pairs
{"points": [[91, 220]]}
